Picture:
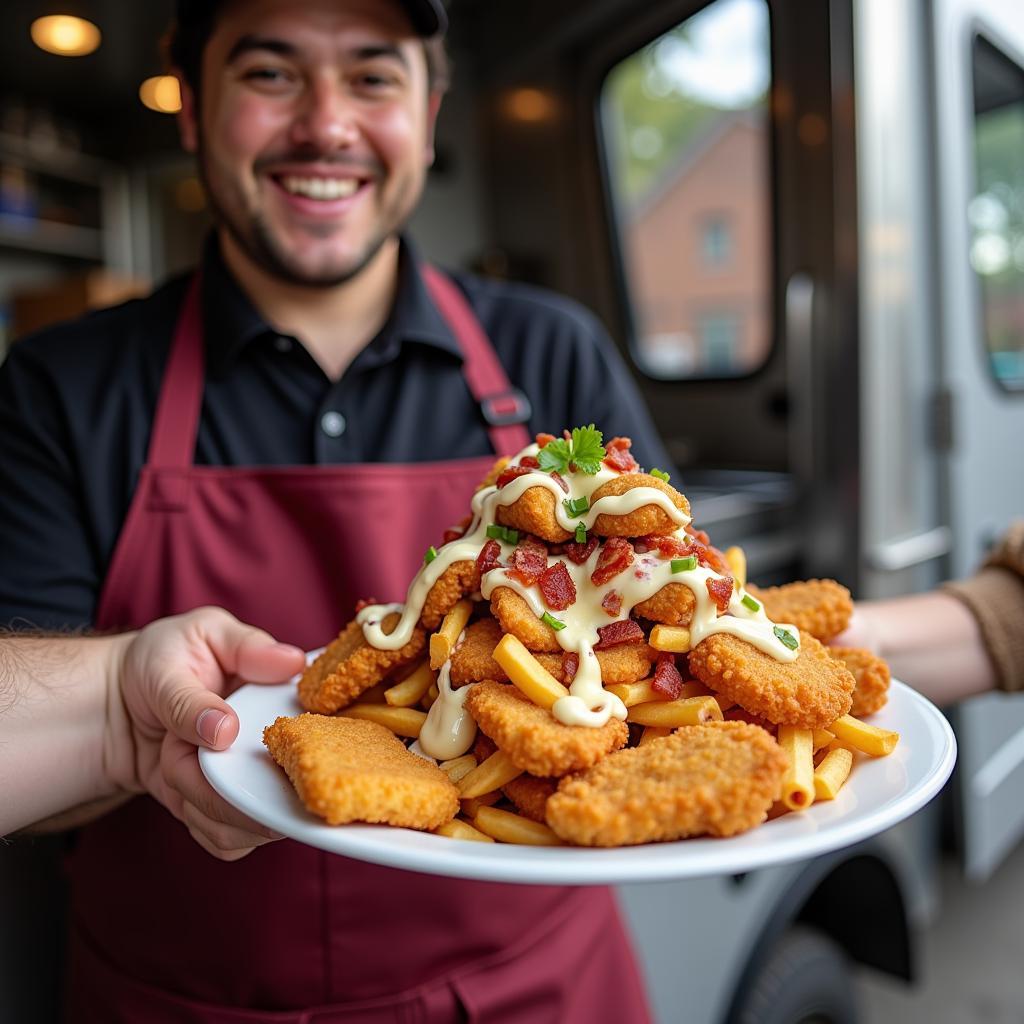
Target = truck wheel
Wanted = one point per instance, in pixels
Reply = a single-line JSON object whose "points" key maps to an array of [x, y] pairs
{"points": [[801, 979]]}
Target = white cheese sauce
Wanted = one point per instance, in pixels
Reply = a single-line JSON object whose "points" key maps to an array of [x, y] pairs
{"points": [[449, 729]]}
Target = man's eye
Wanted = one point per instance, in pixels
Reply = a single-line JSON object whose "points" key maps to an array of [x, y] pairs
{"points": [[272, 76]]}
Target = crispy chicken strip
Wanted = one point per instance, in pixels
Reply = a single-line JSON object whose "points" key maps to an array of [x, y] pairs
{"points": [[819, 607]]}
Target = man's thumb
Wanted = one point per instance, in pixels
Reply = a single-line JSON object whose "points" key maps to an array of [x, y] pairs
{"points": [[197, 715]]}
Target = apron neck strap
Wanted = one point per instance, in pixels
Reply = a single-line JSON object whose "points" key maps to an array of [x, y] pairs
{"points": [[173, 441], [504, 408]]}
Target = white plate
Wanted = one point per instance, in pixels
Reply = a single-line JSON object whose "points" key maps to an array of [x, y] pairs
{"points": [[880, 793]]}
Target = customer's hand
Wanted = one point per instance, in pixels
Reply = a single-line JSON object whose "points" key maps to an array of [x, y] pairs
{"points": [[173, 676]]}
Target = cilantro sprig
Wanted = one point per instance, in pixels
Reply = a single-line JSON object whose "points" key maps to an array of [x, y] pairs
{"points": [[583, 452]]}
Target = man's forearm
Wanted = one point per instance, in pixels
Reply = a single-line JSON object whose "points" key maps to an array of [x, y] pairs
{"points": [[55, 700]]}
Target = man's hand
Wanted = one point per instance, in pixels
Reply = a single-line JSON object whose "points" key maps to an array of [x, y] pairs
{"points": [[173, 676]]}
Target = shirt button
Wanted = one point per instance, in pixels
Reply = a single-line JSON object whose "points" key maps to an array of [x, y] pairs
{"points": [[283, 344], [332, 424]]}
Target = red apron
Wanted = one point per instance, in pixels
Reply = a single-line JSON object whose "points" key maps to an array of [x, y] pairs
{"points": [[162, 931]]}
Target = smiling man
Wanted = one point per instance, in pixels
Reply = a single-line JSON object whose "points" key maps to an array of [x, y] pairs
{"points": [[281, 433]]}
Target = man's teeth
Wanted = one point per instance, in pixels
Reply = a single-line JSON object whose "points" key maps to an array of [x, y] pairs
{"points": [[320, 188]]}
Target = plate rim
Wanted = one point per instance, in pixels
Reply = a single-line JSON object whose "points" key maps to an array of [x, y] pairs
{"points": [[409, 850]]}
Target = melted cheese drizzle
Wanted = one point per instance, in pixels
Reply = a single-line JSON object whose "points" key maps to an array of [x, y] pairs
{"points": [[589, 704], [449, 729]]}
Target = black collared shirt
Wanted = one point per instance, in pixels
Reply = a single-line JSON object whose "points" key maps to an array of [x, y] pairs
{"points": [[77, 404]]}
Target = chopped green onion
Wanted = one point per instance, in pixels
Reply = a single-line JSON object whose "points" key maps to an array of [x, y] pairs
{"points": [[660, 474], [430, 555], [684, 564], [549, 620], [496, 532], [576, 506], [751, 603], [786, 637], [581, 533]]}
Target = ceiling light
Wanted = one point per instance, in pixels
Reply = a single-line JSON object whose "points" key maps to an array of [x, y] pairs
{"points": [[530, 105], [65, 35], [162, 94]]}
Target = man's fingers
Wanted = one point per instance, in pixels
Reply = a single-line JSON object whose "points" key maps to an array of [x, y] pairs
{"points": [[222, 840], [246, 651], [195, 714]]}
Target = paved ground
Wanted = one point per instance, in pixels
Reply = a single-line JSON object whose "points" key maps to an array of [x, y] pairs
{"points": [[972, 963]]}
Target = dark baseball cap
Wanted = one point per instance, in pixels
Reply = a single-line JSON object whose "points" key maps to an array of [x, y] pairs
{"points": [[428, 17]]}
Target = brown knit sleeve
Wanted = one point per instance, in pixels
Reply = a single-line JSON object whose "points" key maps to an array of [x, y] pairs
{"points": [[995, 595]]}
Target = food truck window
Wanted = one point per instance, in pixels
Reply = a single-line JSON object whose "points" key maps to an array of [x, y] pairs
{"points": [[996, 211], [686, 141]]}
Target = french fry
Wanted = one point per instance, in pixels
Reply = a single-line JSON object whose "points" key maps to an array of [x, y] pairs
{"points": [[429, 697], [471, 807], [653, 732], [675, 713], [374, 695], [869, 739], [691, 688], [489, 775], [507, 827], [639, 692], [442, 643], [833, 771], [675, 639], [401, 721], [410, 690], [798, 782], [459, 829], [527, 673], [821, 738], [737, 559], [458, 767]]}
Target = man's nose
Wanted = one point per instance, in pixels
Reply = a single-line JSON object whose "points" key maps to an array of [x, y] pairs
{"points": [[328, 119]]}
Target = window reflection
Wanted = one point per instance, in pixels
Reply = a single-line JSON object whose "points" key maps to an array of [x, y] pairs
{"points": [[685, 123], [996, 212]]}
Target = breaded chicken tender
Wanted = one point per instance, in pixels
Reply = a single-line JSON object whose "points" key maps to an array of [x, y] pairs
{"points": [[458, 580], [473, 659], [530, 795], [348, 770], [714, 779], [533, 738], [534, 512], [349, 665], [645, 520], [516, 617], [872, 675], [819, 607], [673, 605], [810, 692]]}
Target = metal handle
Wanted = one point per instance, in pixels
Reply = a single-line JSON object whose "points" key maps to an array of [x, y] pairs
{"points": [[902, 553]]}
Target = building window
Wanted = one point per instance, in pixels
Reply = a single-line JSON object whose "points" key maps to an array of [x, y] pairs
{"points": [[996, 211], [686, 142], [716, 242]]}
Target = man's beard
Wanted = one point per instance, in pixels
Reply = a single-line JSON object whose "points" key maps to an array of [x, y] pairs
{"points": [[256, 239]]}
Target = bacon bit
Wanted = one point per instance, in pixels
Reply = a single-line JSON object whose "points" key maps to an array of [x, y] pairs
{"points": [[720, 590], [365, 603], [619, 457], [567, 434], [616, 556], [570, 666], [626, 631], [698, 535], [612, 603], [543, 440], [557, 587], [558, 480], [579, 553], [451, 534], [667, 680], [511, 473], [488, 557], [528, 562], [668, 546], [529, 461], [715, 560]]}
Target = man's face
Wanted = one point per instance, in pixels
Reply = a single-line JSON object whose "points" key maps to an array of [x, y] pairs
{"points": [[314, 131]]}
